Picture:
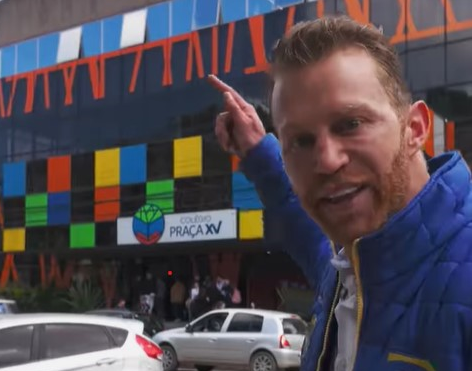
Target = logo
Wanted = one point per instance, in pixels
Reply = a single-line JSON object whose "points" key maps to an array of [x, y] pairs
{"points": [[148, 224]]}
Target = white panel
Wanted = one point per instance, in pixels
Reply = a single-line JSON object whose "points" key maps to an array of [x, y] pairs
{"points": [[134, 28], [69, 45], [187, 227], [125, 232], [439, 141]]}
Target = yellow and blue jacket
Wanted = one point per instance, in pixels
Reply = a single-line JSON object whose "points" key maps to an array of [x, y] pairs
{"points": [[414, 276]]}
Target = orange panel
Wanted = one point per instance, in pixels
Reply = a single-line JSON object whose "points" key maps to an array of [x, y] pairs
{"points": [[107, 204], [59, 174], [235, 163]]}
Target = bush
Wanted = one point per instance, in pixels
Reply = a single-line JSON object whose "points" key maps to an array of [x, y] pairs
{"points": [[83, 297]]}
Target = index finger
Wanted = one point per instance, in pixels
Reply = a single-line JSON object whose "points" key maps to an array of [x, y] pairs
{"points": [[225, 88]]}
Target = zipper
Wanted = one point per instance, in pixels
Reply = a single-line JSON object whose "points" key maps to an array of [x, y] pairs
{"points": [[359, 295], [328, 324]]}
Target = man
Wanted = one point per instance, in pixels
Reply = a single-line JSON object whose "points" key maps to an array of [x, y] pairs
{"points": [[390, 254]]}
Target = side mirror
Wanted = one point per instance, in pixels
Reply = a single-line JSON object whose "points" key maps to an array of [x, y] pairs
{"points": [[188, 328]]}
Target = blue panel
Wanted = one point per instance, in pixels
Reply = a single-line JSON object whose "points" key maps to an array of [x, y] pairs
{"points": [[133, 164], [284, 3], [112, 33], [158, 22], [91, 39], [245, 196], [48, 46], [59, 208], [256, 7], [27, 56], [8, 61], [233, 10], [206, 13], [181, 16], [14, 179]]}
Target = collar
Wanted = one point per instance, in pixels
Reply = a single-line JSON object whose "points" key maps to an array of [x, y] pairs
{"points": [[419, 233]]}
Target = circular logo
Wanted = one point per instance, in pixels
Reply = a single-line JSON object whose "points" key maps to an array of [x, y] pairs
{"points": [[148, 224]]}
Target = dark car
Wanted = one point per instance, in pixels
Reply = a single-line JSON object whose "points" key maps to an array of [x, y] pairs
{"points": [[151, 324]]}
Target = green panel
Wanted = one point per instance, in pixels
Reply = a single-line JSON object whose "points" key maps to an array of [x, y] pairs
{"points": [[161, 193], [36, 210], [82, 235]]}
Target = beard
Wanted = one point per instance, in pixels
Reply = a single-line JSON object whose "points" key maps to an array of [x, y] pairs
{"points": [[388, 197]]}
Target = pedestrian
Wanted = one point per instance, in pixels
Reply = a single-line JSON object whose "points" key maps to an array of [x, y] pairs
{"points": [[367, 215], [177, 299]]}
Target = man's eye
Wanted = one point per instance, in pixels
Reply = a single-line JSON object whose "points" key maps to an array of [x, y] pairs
{"points": [[304, 141], [348, 126]]}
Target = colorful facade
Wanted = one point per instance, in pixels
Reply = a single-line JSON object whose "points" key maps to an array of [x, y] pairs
{"points": [[101, 119]]}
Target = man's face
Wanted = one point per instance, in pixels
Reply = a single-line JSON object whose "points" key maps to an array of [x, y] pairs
{"points": [[344, 146]]}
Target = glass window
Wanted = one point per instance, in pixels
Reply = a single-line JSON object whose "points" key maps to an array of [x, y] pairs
{"points": [[425, 67], [112, 33], [92, 39], [284, 3], [87, 339], [233, 10], [69, 45], [158, 21], [27, 56], [134, 28], [119, 335], [206, 13], [244, 322], [294, 326], [181, 11], [15, 345], [8, 61], [256, 7], [459, 62], [211, 323], [48, 46]]}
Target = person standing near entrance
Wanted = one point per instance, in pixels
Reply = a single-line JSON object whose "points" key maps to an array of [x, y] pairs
{"points": [[366, 215], [177, 299]]}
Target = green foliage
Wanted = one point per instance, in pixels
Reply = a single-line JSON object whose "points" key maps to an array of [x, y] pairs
{"points": [[83, 297], [36, 299]]}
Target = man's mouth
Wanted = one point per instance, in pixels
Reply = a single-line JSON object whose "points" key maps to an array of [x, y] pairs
{"points": [[343, 195]]}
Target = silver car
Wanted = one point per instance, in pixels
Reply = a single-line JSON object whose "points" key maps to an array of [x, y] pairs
{"points": [[263, 340]]}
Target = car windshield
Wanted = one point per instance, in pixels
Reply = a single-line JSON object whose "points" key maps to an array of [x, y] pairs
{"points": [[294, 326]]}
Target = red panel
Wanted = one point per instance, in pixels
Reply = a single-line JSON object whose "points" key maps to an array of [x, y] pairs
{"points": [[59, 174], [107, 204]]}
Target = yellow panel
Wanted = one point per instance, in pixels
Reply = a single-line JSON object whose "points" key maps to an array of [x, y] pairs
{"points": [[251, 225], [187, 157], [107, 167], [14, 240]]}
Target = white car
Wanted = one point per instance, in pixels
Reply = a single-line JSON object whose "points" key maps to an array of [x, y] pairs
{"points": [[259, 340], [63, 342]]}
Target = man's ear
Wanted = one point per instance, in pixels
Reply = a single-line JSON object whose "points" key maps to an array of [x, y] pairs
{"points": [[418, 127]]}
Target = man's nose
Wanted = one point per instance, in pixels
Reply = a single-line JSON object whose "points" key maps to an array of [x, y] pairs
{"points": [[329, 156]]}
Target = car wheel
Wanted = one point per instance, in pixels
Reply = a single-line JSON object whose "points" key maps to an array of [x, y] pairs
{"points": [[204, 368], [169, 361], [263, 361]]}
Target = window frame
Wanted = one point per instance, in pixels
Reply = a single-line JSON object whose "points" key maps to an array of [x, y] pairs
{"points": [[251, 317], [34, 353], [42, 335]]}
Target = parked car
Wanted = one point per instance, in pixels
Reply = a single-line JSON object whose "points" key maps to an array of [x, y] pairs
{"points": [[8, 306], [66, 342], [151, 324], [257, 339]]}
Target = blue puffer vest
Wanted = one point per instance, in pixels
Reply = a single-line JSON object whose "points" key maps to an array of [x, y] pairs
{"points": [[414, 275]]}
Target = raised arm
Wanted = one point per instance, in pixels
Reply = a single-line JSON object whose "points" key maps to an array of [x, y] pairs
{"points": [[287, 226]]}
